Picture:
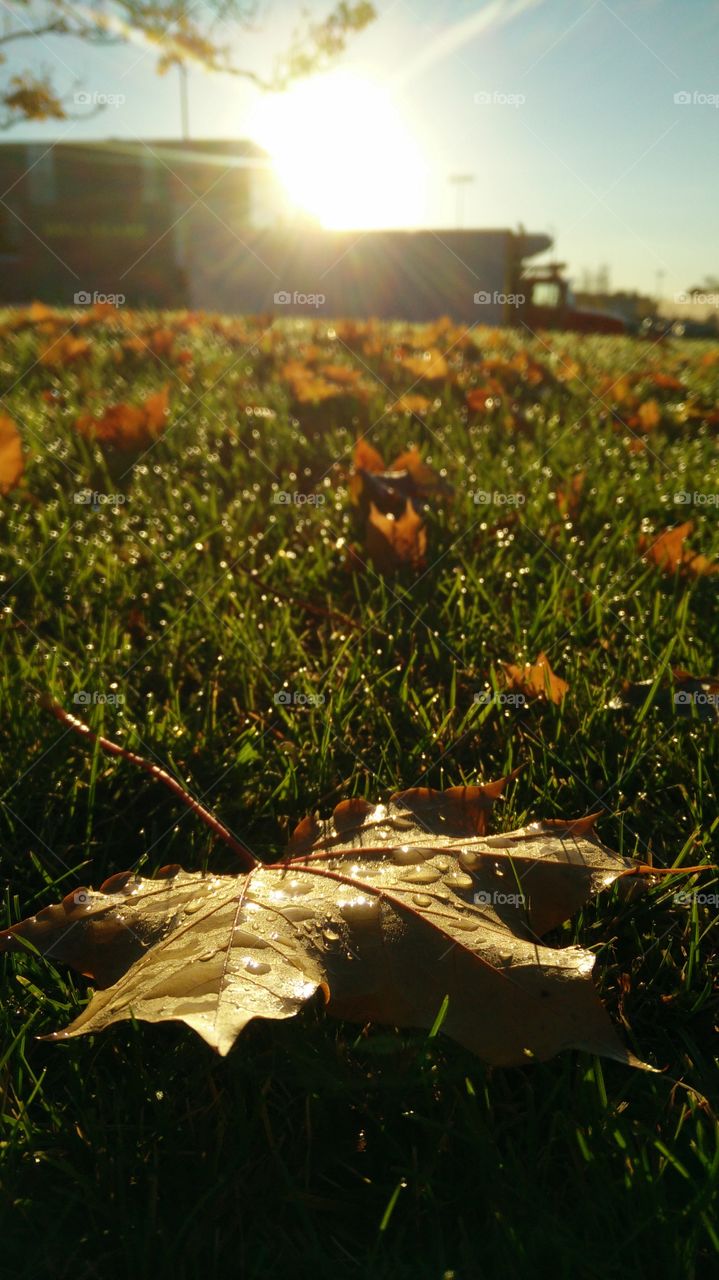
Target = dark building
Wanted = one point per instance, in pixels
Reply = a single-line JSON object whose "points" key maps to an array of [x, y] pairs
{"points": [[205, 225], [123, 217]]}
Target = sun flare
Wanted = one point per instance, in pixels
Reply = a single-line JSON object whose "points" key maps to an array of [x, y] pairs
{"points": [[343, 152]]}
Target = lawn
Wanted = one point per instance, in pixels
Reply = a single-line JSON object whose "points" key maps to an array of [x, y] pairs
{"points": [[150, 571]]}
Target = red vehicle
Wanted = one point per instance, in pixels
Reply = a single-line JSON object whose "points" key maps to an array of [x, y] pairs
{"points": [[549, 305]]}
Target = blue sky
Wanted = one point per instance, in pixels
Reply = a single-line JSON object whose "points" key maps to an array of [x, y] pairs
{"points": [[562, 110]]}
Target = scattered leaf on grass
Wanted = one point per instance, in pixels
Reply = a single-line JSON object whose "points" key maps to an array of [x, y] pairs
{"points": [[64, 350], [688, 695], [394, 541], [667, 550], [536, 680], [383, 911], [11, 455], [129, 426]]}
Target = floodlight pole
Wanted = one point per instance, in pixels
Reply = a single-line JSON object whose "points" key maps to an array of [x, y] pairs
{"points": [[184, 111]]}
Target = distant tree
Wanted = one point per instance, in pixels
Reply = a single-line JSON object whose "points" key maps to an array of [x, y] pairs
{"points": [[710, 284], [182, 33]]}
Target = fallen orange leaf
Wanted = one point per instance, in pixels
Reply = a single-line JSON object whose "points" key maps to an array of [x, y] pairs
{"points": [[536, 680], [668, 552], [393, 542], [128, 426], [11, 458]]}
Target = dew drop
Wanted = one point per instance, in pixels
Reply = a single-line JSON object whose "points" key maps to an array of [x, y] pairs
{"points": [[458, 880], [297, 913], [360, 910], [255, 966], [422, 899], [407, 855], [195, 904], [330, 935], [468, 860], [421, 875], [242, 938], [468, 923], [296, 888]]}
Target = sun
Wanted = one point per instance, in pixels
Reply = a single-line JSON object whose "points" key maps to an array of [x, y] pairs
{"points": [[343, 152]]}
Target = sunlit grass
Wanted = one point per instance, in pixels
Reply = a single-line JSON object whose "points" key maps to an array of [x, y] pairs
{"points": [[198, 599]]}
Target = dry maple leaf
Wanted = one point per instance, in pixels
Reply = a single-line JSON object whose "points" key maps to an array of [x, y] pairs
{"points": [[129, 426], [383, 911], [667, 551], [536, 679], [11, 456], [394, 541], [648, 416], [391, 503], [430, 366], [687, 696], [569, 495], [392, 911], [64, 350], [411, 403]]}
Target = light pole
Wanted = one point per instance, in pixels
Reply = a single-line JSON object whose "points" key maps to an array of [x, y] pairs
{"points": [[459, 182], [184, 111]]}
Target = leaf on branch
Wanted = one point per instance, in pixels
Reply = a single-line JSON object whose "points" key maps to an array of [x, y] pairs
{"points": [[28, 98], [385, 909]]}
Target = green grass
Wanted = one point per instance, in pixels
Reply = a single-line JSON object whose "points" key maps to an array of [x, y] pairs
{"points": [[317, 1148]]}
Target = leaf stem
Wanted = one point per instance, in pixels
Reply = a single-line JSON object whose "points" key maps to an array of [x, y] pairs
{"points": [[248, 859]]}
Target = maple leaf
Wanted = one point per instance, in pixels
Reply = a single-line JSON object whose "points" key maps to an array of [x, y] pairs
{"points": [[129, 426], [690, 695], [569, 495], [11, 456], [382, 909], [430, 365], [536, 680], [391, 503], [64, 350], [648, 415], [411, 403], [393, 541], [668, 552]]}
